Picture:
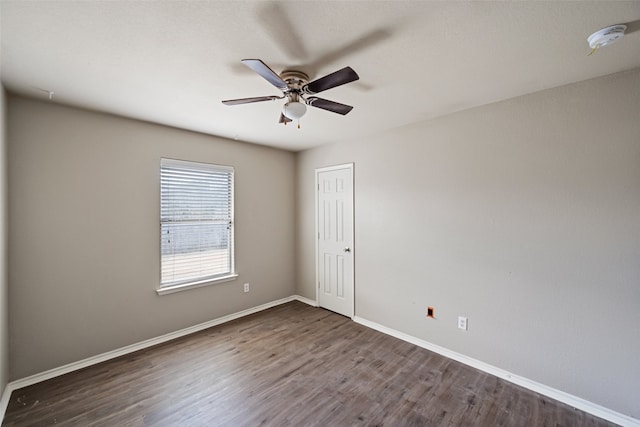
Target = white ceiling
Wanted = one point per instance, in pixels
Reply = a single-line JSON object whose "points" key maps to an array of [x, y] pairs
{"points": [[173, 62]]}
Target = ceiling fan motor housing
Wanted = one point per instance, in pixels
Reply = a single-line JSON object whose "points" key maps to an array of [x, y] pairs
{"points": [[294, 79]]}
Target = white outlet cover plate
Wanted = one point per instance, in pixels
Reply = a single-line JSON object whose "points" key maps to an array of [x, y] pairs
{"points": [[462, 323]]}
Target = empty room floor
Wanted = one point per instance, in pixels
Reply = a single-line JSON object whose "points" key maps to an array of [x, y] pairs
{"points": [[291, 365]]}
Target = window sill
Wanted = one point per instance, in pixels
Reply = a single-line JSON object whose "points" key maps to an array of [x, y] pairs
{"points": [[186, 286]]}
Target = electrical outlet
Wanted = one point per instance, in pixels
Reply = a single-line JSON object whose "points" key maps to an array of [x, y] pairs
{"points": [[462, 323], [246, 287]]}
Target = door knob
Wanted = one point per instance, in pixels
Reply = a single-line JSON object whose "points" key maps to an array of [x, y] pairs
{"points": [[347, 249]]}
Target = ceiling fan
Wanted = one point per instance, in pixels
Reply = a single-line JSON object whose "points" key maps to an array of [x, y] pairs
{"points": [[298, 91]]}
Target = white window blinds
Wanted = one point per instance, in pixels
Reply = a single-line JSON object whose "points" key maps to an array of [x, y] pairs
{"points": [[196, 222]]}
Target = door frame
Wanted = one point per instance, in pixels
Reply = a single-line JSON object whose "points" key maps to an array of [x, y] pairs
{"points": [[318, 171]]}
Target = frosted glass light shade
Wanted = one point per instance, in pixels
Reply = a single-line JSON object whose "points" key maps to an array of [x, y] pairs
{"points": [[294, 110]]}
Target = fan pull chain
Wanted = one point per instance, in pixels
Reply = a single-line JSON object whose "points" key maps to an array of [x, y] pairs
{"points": [[298, 124]]}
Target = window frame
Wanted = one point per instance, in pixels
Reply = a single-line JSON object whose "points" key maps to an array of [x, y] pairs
{"points": [[200, 282]]}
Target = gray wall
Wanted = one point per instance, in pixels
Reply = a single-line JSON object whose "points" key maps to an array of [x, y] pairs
{"points": [[4, 286], [522, 215], [84, 236]]}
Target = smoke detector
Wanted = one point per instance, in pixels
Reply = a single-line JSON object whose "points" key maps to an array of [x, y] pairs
{"points": [[606, 36]]}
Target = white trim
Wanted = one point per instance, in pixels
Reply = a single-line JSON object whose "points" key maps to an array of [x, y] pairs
{"points": [[349, 166], [561, 396], [316, 235], [55, 372], [574, 401], [186, 286], [52, 373], [306, 300], [334, 167]]}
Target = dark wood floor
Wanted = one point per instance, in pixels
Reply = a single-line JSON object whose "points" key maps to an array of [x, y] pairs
{"points": [[292, 365]]}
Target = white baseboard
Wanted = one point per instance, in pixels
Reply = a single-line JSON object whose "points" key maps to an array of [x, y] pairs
{"points": [[306, 300], [55, 372], [561, 396]]}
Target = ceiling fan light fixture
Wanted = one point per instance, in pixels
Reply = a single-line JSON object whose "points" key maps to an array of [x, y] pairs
{"points": [[294, 110]]}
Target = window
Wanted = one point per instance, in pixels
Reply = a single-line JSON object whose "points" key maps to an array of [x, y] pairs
{"points": [[196, 224]]}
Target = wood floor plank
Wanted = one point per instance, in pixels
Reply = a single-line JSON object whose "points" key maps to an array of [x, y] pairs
{"points": [[292, 365]]}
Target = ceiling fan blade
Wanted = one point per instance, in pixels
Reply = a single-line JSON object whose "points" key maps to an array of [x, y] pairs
{"points": [[250, 100], [340, 77], [284, 119], [267, 73], [275, 20], [362, 42], [334, 107]]}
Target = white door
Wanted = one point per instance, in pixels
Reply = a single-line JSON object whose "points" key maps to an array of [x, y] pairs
{"points": [[334, 221]]}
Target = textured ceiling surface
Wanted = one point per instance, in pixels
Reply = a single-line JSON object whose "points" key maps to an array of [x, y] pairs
{"points": [[173, 62]]}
